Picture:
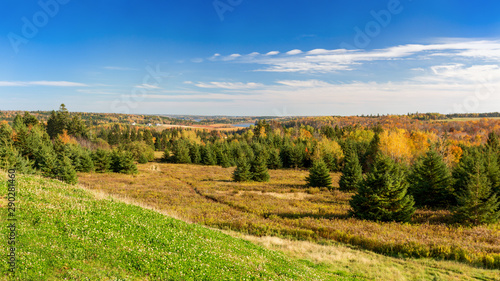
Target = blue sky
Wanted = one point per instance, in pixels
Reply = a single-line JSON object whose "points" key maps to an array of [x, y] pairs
{"points": [[242, 57]]}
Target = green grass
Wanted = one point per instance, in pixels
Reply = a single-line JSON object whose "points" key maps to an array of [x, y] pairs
{"points": [[66, 232]]}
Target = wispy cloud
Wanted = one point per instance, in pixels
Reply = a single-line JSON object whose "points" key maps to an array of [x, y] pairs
{"points": [[148, 86], [228, 85], [41, 83], [324, 61]]}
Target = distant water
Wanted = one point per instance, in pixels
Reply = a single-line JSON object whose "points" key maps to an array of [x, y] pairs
{"points": [[243, 125]]}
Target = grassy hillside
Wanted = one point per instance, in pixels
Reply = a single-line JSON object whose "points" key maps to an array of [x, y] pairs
{"points": [[66, 232]]}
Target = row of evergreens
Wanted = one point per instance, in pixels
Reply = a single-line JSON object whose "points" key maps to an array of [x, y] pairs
{"points": [[390, 191]]}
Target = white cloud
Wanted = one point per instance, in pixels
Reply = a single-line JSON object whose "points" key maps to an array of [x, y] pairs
{"points": [[272, 53], [294, 52], [41, 83], [323, 61], [304, 83], [228, 85], [231, 57]]}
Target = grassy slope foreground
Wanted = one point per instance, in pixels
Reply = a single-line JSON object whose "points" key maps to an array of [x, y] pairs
{"points": [[66, 232]]}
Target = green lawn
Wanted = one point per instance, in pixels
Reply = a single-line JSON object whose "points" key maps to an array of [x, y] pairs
{"points": [[65, 232]]}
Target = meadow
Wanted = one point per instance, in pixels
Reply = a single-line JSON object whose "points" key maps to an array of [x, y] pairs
{"points": [[68, 233], [285, 208]]}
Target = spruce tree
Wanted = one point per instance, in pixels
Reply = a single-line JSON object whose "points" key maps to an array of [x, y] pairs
{"points": [[194, 153], [102, 160], [64, 170], [166, 155], [258, 169], [382, 195], [224, 162], [142, 159], [319, 175], [242, 171], [352, 172], [181, 152], [274, 161], [477, 204], [431, 181], [330, 161], [208, 156]]}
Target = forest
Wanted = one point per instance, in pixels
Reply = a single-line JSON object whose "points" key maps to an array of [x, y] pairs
{"points": [[392, 164]]}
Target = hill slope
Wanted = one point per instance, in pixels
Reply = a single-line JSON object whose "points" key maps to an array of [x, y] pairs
{"points": [[66, 232]]}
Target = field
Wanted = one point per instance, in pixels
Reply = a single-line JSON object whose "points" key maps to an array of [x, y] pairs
{"points": [[285, 208], [69, 233]]}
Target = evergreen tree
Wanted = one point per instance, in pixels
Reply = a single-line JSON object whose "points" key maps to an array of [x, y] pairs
{"points": [[431, 181], [330, 161], [181, 152], [142, 159], [102, 160], [258, 169], [382, 195], [123, 162], [87, 165], [207, 155], [274, 161], [477, 204], [493, 142], [65, 171], [166, 155], [352, 172], [194, 153], [242, 171], [224, 162], [319, 175]]}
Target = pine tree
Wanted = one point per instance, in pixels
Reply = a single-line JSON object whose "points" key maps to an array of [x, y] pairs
{"points": [[86, 163], [242, 171], [431, 181], [224, 162], [166, 155], [274, 161], [352, 172], [208, 156], [493, 142], [382, 195], [123, 162], [330, 161], [258, 169], [181, 152], [477, 203], [102, 160], [319, 175], [194, 153], [64, 170], [142, 159]]}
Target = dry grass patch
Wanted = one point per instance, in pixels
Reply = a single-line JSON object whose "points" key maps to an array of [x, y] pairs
{"points": [[285, 207]]}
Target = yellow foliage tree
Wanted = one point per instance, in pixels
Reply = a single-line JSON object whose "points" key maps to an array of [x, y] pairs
{"points": [[396, 144]]}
